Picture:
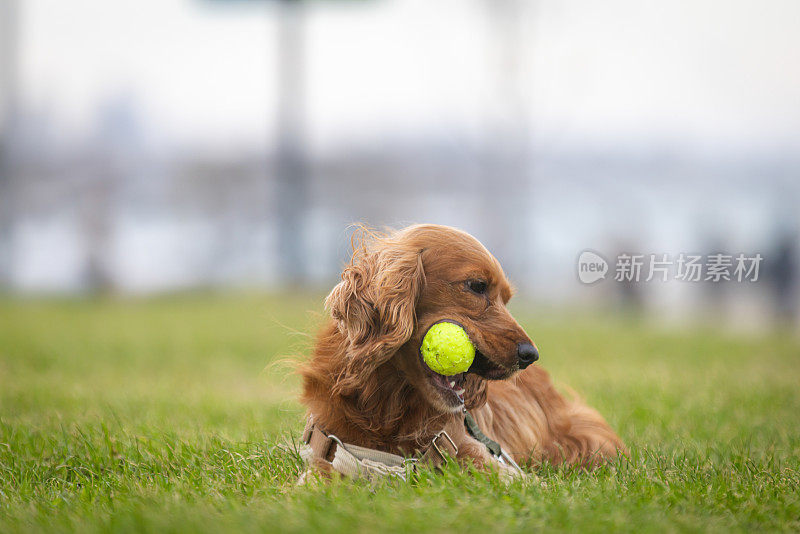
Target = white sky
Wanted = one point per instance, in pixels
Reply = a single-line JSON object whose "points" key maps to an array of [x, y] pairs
{"points": [[707, 74]]}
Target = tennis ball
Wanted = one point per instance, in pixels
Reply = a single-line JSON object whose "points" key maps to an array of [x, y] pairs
{"points": [[446, 349]]}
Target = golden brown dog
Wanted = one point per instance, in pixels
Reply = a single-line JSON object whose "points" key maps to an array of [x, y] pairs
{"points": [[367, 384]]}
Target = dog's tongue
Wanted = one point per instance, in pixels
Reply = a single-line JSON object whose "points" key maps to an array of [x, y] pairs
{"points": [[454, 382], [460, 394]]}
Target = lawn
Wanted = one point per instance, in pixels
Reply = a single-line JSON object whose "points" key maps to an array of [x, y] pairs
{"points": [[174, 414]]}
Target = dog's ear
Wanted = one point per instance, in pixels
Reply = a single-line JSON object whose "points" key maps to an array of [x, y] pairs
{"points": [[374, 305]]}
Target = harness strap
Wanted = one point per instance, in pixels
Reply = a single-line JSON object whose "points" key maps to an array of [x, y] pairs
{"points": [[476, 432], [352, 460], [321, 444], [439, 450], [497, 451]]}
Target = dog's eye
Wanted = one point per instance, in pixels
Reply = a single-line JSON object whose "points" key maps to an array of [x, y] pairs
{"points": [[477, 286]]}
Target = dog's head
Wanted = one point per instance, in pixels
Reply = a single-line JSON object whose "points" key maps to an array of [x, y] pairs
{"points": [[397, 286]]}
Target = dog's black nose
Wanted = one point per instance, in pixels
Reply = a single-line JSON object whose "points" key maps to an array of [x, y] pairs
{"points": [[527, 354]]}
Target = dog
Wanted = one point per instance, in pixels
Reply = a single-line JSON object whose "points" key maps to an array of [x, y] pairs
{"points": [[367, 384]]}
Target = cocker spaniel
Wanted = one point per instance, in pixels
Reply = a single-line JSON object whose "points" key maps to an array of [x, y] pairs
{"points": [[367, 386]]}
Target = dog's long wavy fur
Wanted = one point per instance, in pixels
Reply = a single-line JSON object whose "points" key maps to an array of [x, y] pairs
{"points": [[366, 382]]}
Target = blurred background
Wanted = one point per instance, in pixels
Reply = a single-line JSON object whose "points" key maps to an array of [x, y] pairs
{"points": [[169, 145]]}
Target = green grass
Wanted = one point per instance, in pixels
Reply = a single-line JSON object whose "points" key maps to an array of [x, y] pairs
{"points": [[172, 414]]}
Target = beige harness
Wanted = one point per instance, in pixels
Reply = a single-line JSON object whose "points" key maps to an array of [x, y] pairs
{"points": [[355, 461]]}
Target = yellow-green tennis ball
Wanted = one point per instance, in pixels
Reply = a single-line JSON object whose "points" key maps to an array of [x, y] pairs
{"points": [[447, 350]]}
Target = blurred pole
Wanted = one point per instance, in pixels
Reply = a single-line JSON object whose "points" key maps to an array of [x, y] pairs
{"points": [[292, 175], [509, 132], [8, 88], [95, 209]]}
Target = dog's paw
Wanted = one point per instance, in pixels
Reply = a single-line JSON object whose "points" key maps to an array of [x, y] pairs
{"points": [[317, 472], [509, 474]]}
